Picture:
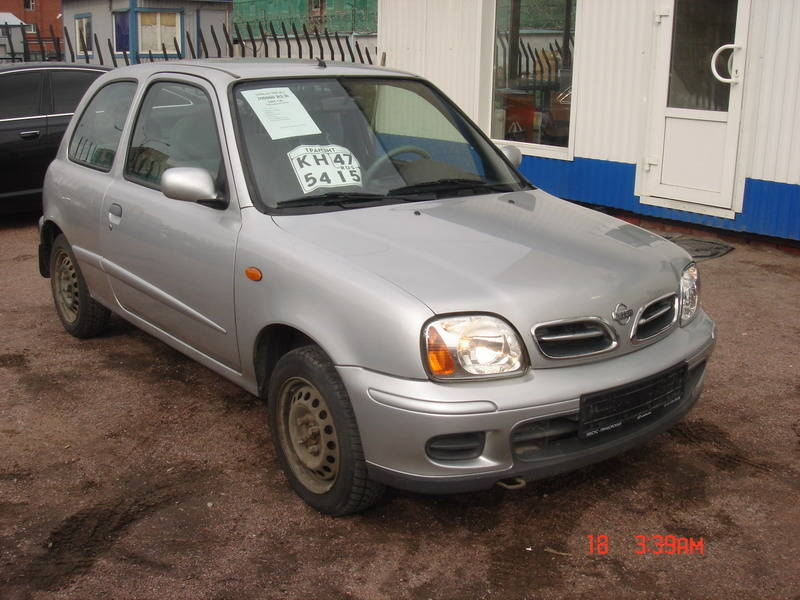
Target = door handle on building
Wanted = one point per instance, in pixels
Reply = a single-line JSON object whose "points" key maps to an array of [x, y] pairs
{"points": [[734, 77]]}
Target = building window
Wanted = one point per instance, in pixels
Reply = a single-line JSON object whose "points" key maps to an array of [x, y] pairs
{"points": [[534, 45], [316, 8], [121, 32], [30, 4], [83, 33], [31, 28], [157, 28]]}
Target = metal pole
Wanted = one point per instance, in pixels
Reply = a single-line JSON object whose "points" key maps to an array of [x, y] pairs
{"points": [[111, 53], [566, 55]]}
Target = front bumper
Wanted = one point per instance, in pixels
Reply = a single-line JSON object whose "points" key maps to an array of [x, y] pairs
{"points": [[397, 417]]}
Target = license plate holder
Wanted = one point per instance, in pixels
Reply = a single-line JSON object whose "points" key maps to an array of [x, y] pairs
{"points": [[618, 408]]}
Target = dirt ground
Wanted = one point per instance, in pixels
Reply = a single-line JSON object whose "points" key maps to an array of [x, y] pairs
{"points": [[129, 471]]}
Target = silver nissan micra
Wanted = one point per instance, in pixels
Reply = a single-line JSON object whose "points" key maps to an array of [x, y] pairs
{"points": [[345, 243]]}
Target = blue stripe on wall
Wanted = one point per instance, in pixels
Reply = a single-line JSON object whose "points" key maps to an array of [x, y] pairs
{"points": [[770, 208]]}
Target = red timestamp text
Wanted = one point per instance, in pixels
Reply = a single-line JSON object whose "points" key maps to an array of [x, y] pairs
{"points": [[652, 544]]}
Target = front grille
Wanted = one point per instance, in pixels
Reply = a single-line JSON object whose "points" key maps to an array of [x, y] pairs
{"points": [[617, 408], [456, 446], [656, 317], [573, 339]]}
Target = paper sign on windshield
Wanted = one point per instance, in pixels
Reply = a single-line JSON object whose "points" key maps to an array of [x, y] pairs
{"points": [[280, 112], [325, 166]]}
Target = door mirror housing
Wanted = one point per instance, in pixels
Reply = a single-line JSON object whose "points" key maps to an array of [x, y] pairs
{"points": [[190, 184], [513, 154]]}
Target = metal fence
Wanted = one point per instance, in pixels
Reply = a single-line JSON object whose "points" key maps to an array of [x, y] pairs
{"points": [[261, 39]]}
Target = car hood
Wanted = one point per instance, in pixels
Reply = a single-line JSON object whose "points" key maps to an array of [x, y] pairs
{"points": [[527, 256]]}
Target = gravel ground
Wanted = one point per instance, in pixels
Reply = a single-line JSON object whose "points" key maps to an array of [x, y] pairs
{"points": [[129, 471]]}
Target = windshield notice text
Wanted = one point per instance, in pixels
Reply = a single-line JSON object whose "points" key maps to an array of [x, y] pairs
{"points": [[280, 112], [325, 166]]}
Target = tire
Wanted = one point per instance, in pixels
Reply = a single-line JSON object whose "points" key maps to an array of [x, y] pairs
{"points": [[80, 315], [316, 435]]}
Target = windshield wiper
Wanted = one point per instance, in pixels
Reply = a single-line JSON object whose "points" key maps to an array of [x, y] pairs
{"points": [[332, 199], [448, 185], [345, 198]]}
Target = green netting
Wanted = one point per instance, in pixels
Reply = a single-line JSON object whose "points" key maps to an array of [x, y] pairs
{"points": [[535, 14], [360, 16]]}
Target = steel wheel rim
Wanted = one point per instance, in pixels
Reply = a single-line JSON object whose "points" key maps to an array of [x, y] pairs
{"points": [[308, 435], [66, 288]]}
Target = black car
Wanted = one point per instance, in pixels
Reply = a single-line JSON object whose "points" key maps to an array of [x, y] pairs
{"points": [[36, 103]]}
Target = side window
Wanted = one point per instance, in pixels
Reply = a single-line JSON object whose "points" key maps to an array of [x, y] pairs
{"points": [[68, 88], [175, 128], [94, 142], [21, 93]]}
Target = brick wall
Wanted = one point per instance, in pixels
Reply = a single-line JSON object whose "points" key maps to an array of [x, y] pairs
{"points": [[44, 14]]}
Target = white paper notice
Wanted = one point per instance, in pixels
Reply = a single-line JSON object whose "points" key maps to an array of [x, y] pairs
{"points": [[280, 112], [325, 166]]}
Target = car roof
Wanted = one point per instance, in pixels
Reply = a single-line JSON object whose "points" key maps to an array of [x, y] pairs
{"points": [[50, 65], [257, 68]]}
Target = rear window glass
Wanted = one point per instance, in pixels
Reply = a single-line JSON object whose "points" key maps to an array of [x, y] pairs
{"points": [[96, 137]]}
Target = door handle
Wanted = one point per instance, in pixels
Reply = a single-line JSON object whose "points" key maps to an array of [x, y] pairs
{"points": [[29, 135], [733, 77], [114, 215]]}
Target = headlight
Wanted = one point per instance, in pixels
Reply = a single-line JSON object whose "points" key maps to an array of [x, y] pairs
{"points": [[471, 346], [690, 293]]}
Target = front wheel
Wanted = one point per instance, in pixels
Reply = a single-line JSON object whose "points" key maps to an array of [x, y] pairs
{"points": [[316, 436], [80, 315]]}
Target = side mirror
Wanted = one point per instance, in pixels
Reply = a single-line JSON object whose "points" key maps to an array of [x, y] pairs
{"points": [[189, 184], [513, 154]]}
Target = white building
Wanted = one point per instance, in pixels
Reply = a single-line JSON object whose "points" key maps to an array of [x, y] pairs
{"points": [[641, 121]]}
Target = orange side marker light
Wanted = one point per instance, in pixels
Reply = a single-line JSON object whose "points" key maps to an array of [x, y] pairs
{"points": [[253, 273], [439, 359]]}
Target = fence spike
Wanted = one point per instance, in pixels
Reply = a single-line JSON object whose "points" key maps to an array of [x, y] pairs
{"points": [[164, 51], [125, 56], [366, 52], [216, 42], [56, 43], [252, 39], [190, 44], [177, 47], [339, 43], [202, 48], [263, 38], [275, 39], [10, 43], [308, 41], [99, 49], [330, 44], [358, 51], [150, 54], [350, 49], [111, 53], [239, 36], [26, 50], [297, 40], [41, 44], [319, 43], [227, 35], [286, 37]]}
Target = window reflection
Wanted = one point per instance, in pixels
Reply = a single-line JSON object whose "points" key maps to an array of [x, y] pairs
{"points": [[534, 43]]}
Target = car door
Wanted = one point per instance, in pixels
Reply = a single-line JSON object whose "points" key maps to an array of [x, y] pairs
{"points": [[23, 158], [171, 263], [65, 88]]}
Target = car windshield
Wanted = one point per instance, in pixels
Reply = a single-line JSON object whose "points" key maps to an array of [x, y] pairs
{"points": [[342, 142]]}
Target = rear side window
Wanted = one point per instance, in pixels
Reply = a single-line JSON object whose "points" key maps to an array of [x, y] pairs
{"points": [[175, 128], [21, 94], [94, 142], [68, 88]]}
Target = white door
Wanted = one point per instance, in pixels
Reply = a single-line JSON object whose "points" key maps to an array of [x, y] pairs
{"points": [[693, 133]]}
